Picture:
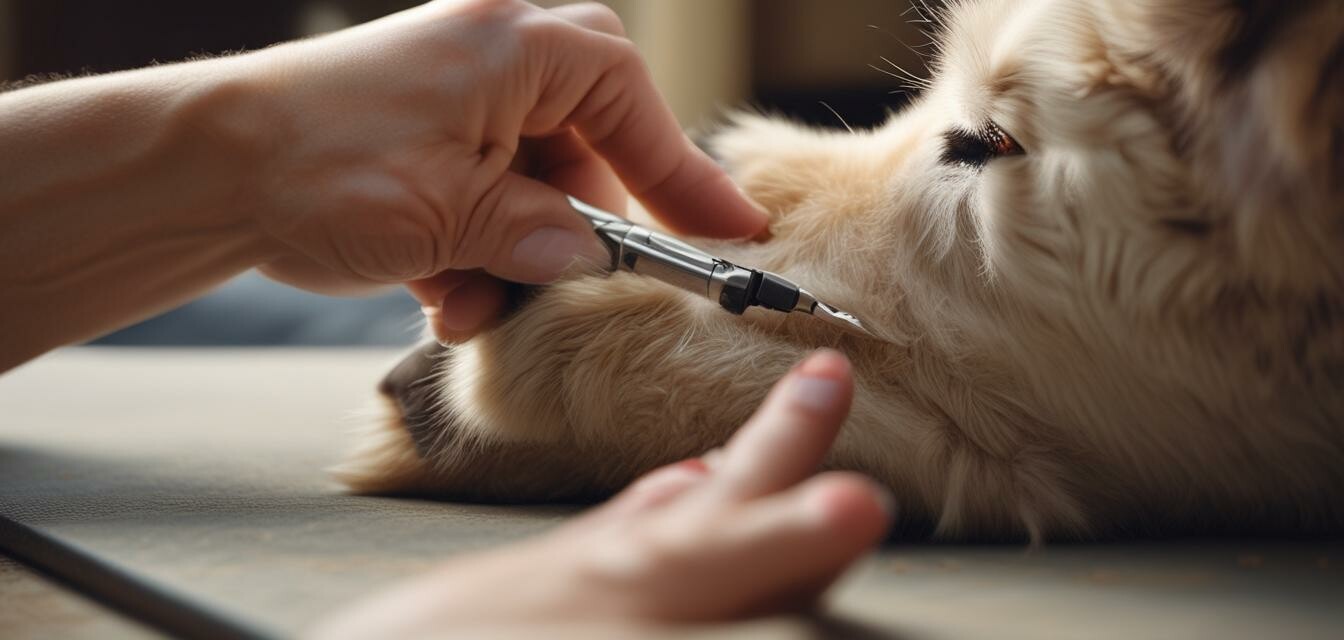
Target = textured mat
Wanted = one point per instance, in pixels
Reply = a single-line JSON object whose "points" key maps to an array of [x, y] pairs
{"points": [[200, 473]]}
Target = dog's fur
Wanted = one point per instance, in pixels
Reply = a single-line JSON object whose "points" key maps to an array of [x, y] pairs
{"points": [[1135, 327]]}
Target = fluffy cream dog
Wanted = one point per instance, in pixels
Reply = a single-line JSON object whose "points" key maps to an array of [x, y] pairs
{"points": [[1105, 250]]}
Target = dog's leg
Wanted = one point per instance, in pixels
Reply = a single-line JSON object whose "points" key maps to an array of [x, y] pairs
{"points": [[419, 448], [600, 380]]}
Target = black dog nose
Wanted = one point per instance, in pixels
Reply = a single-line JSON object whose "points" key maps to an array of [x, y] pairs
{"points": [[411, 386]]}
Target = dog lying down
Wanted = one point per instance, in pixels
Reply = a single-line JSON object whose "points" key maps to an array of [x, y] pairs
{"points": [[1105, 253]]}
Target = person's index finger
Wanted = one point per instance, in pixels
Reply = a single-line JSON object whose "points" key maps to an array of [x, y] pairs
{"points": [[624, 119], [790, 434]]}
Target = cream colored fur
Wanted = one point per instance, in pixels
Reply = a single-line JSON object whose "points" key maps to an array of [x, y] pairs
{"points": [[1135, 327]]}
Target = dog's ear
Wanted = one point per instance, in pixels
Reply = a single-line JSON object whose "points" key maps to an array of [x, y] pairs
{"points": [[1254, 93]]}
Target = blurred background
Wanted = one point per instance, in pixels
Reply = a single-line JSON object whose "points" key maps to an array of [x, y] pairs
{"points": [[816, 61]]}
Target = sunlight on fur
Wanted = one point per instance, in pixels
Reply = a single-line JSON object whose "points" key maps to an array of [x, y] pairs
{"points": [[1123, 316]]}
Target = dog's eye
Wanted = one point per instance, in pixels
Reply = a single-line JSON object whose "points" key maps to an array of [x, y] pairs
{"points": [[975, 148]]}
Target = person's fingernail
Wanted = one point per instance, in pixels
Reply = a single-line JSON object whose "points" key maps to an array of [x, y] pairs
{"points": [[667, 482], [456, 317], [815, 394], [695, 465], [434, 318], [548, 251], [822, 362], [814, 386], [460, 320]]}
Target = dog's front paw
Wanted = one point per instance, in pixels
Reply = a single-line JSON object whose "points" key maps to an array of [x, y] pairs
{"points": [[389, 454], [434, 436]]}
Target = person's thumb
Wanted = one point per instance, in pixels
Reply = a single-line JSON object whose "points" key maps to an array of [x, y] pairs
{"points": [[525, 231]]}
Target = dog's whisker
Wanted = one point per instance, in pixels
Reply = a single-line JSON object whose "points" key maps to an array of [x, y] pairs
{"points": [[414, 322], [881, 70], [922, 82], [921, 55], [837, 115], [907, 81], [933, 16]]}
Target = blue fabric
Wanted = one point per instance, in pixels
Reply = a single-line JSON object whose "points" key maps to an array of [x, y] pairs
{"points": [[253, 311]]}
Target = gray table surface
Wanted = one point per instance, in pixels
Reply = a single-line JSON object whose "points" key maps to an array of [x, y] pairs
{"points": [[203, 470]]}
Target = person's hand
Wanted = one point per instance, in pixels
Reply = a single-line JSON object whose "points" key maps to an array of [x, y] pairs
{"points": [[434, 147], [746, 531]]}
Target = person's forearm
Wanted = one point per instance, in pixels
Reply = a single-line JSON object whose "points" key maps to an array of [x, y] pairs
{"points": [[122, 196], [384, 153]]}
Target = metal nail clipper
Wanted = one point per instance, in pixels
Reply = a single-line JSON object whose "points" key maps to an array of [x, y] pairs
{"points": [[646, 252]]}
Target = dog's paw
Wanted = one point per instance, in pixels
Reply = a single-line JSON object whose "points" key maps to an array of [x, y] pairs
{"points": [[389, 452]]}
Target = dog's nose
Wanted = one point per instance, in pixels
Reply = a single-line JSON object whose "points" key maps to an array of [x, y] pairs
{"points": [[411, 386], [416, 366]]}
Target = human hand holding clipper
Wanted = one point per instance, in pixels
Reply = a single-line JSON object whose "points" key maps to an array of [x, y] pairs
{"points": [[453, 189]]}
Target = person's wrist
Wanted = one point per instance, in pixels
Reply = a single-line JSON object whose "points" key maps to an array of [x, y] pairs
{"points": [[229, 128]]}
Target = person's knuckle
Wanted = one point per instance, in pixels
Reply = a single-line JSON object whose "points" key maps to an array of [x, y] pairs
{"points": [[624, 53], [487, 7], [630, 560], [600, 17], [540, 28], [481, 12], [663, 547]]}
